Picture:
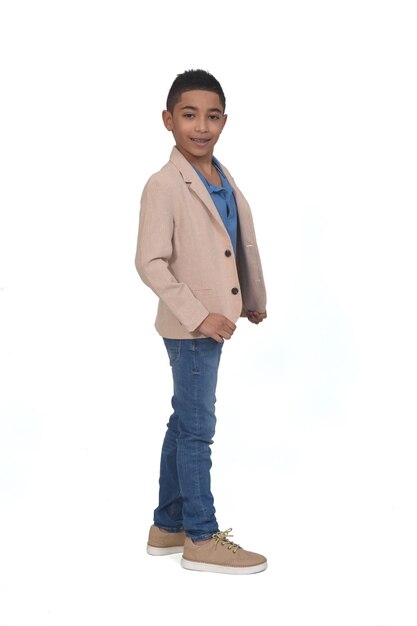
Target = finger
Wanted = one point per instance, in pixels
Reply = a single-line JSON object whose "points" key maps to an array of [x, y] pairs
{"points": [[258, 316]]}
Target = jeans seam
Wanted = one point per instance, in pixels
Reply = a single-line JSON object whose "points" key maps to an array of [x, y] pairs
{"points": [[198, 424]]}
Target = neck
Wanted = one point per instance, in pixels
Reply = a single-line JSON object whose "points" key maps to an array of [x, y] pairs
{"points": [[203, 163]]}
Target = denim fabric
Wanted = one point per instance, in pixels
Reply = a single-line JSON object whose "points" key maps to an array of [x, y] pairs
{"points": [[185, 498]]}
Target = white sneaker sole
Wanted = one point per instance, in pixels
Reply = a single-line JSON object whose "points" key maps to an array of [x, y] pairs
{"points": [[222, 569], [163, 551]]}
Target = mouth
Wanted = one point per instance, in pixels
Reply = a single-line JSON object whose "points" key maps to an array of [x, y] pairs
{"points": [[201, 142]]}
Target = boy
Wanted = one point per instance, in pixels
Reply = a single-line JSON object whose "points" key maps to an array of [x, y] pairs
{"points": [[197, 251]]}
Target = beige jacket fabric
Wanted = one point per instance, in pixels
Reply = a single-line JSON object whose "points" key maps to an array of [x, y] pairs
{"points": [[185, 255]]}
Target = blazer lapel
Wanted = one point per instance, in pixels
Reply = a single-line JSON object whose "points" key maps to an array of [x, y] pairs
{"points": [[192, 179]]}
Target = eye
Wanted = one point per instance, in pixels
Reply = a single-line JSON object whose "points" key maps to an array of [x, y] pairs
{"points": [[214, 117], [188, 115]]}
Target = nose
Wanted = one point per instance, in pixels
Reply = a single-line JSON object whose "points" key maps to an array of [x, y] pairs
{"points": [[201, 125]]}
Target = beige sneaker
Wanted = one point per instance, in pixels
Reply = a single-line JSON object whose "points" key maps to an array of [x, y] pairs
{"points": [[221, 555], [161, 542]]}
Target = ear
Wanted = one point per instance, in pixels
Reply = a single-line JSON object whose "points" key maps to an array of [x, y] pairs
{"points": [[167, 119], [224, 120]]}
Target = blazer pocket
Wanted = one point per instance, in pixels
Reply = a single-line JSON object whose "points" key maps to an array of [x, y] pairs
{"points": [[203, 294], [207, 297]]}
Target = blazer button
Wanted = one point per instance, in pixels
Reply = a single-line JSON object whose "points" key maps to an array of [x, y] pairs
{"points": [[235, 291], [228, 253]]}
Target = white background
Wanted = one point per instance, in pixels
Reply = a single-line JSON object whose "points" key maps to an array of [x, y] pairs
{"points": [[315, 453]]}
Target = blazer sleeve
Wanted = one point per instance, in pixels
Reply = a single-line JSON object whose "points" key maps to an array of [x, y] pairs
{"points": [[153, 254]]}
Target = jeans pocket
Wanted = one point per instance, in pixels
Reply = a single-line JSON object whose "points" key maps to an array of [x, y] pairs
{"points": [[173, 347]]}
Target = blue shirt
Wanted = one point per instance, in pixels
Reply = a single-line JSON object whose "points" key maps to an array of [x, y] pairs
{"points": [[224, 200]]}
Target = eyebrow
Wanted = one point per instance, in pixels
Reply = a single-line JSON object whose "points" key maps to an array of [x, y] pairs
{"points": [[189, 106]]}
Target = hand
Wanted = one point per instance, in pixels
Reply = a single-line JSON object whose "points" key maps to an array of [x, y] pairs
{"points": [[255, 317], [217, 326]]}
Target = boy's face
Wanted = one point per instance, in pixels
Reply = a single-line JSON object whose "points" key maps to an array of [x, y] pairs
{"points": [[196, 123]]}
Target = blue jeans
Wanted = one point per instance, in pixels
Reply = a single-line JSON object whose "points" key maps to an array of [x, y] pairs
{"points": [[185, 498]]}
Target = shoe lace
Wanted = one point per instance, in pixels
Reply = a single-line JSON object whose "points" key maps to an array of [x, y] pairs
{"points": [[222, 537]]}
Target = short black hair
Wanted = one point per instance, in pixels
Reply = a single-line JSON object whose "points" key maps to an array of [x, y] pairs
{"points": [[190, 80]]}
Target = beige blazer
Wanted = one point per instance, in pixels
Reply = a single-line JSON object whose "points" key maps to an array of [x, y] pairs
{"points": [[185, 255]]}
